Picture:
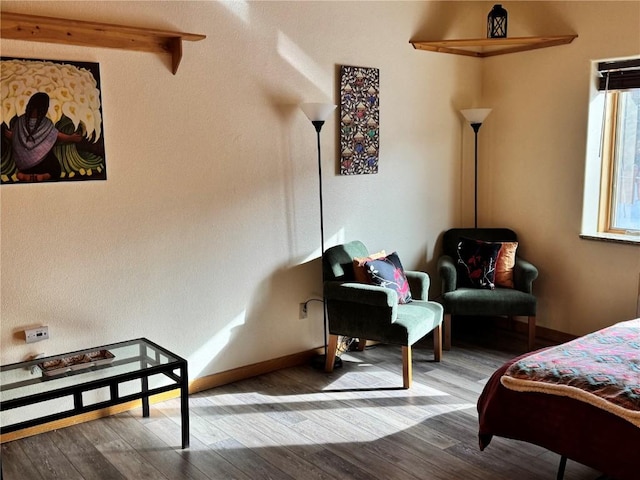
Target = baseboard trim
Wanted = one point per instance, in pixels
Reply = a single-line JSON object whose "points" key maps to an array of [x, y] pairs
{"points": [[543, 333], [253, 370], [197, 385]]}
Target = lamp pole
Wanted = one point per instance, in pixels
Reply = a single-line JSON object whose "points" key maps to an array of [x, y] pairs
{"points": [[475, 117], [317, 113], [318, 126], [476, 127]]}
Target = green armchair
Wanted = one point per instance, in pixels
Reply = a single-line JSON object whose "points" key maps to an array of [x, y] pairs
{"points": [[369, 312], [458, 300]]}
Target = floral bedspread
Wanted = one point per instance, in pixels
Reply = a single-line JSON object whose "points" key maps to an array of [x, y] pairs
{"points": [[602, 368]]}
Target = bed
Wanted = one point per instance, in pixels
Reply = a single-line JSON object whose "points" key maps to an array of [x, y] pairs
{"points": [[594, 422]]}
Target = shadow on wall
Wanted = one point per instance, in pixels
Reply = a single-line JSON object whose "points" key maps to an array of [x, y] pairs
{"points": [[271, 310], [443, 20]]}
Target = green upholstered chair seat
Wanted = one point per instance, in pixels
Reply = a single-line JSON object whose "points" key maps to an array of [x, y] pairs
{"points": [[414, 321], [398, 325], [470, 301]]}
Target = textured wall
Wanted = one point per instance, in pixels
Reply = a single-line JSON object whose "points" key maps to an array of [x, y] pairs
{"points": [[205, 237]]}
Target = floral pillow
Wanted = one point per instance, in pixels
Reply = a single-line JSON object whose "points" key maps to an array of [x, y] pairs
{"points": [[476, 265], [388, 272], [359, 272]]}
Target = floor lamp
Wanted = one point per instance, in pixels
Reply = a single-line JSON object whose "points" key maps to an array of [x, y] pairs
{"points": [[475, 117], [317, 113]]}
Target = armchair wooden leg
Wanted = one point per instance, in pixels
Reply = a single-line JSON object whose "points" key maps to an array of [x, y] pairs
{"points": [[447, 331], [331, 353], [532, 333], [437, 343], [407, 372], [362, 342]]}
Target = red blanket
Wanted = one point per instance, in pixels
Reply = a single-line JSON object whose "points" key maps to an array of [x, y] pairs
{"points": [[602, 369], [569, 427]]}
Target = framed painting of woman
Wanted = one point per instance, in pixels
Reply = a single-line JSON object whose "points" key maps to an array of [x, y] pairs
{"points": [[51, 121]]}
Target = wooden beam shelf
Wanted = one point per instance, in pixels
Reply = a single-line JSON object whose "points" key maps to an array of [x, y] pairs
{"points": [[16, 26], [490, 47]]}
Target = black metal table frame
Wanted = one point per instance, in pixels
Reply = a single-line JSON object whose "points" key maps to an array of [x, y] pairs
{"points": [[168, 369]]}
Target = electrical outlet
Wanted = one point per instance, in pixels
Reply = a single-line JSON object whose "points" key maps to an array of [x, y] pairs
{"points": [[36, 334], [303, 311]]}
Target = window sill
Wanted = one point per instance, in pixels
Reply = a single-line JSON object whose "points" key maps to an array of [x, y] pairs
{"points": [[612, 237]]}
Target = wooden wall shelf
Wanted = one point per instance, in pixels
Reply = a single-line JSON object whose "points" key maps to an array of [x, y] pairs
{"points": [[33, 28], [490, 47]]}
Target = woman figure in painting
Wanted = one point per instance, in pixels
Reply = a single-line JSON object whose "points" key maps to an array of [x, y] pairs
{"points": [[33, 136]]}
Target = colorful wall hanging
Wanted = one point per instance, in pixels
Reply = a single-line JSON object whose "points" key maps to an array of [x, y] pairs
{"points": [[359, 120], [51, 121]]}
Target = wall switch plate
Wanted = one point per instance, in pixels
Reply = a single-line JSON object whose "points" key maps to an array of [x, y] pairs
{"points": [[36, 334]]}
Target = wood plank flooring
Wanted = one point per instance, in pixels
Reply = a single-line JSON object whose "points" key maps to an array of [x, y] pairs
{"points": [[300, 423]]}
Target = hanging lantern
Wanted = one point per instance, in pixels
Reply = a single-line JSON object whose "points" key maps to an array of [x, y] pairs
{"points": [[497, 22]]}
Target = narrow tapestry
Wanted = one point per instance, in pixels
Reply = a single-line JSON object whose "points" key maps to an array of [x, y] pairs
{"points": [[359, 120]]}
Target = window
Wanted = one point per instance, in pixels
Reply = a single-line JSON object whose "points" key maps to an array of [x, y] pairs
{"points": [[612, 180]]}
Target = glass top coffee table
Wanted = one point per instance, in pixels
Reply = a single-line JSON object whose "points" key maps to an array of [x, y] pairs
{"points": [[60, 386]]}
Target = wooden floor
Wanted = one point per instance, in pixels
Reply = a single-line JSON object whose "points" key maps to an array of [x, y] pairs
{"points": [[300, 423]]}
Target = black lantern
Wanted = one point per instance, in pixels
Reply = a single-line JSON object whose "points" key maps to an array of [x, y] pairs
{"points": [[497, 22]]}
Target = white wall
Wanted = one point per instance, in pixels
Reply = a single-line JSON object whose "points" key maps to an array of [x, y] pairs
{"points": [[532, 177], [205, 237]]}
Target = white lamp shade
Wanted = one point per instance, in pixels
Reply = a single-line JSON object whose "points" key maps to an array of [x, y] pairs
{"points": [[476, 115], [317, 111]]}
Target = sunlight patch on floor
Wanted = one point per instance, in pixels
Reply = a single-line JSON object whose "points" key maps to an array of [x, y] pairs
{"points": [[363, 420], [262, 419]]}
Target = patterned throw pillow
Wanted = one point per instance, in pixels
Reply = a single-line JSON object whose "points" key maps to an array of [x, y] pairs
{"points": [[359, 271], [476, 265], [505, 263], [388, 272]]}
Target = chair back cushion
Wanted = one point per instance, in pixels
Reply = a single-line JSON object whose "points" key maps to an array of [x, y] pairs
{"points": [[338, 261], [452, 237]]}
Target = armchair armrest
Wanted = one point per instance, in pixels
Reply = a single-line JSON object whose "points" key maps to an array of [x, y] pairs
{"points": [[361, 293], [419, 283], [524, 273], [448, 273]]}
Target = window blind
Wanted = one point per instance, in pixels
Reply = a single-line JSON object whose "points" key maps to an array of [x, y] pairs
{"points": [[619, 75]]}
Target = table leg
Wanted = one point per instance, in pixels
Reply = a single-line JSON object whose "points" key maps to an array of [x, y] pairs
{"points": [[184, 405], [561, 467], [145, 398], [144, 381]]}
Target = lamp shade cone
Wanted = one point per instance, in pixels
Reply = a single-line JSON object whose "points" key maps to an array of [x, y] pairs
{"points": [[317, 112], [475, 115]]}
